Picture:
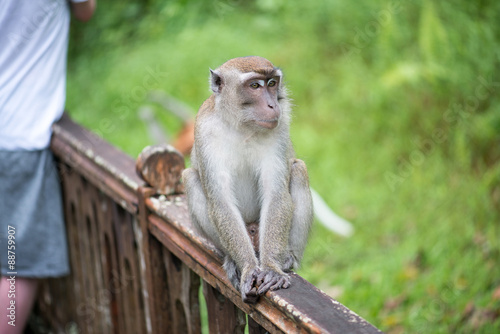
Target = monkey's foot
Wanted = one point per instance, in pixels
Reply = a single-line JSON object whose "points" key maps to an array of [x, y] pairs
{"points": [[233, 274], [248, 290], [251, 296], [289, 263], [271, 280]]}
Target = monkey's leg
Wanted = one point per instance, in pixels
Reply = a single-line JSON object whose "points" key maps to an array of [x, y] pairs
{"points": [[302, 215], [274, 230], [299, 230], [199, 215], [241, 264], [198, 207]]}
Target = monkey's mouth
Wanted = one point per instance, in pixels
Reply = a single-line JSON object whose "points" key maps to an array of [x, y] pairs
{"points": [[267, 123]]}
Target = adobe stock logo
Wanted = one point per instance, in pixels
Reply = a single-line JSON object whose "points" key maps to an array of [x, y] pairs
{"points": [[29, 25]]}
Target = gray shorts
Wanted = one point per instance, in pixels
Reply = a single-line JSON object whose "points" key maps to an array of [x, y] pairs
{"points": [[31, 216]]}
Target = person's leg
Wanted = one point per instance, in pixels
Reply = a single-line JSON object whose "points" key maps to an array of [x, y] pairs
{"points": [[25, 293]]}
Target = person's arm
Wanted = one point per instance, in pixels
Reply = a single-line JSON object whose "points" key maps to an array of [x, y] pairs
{"points": [[83, 10]]}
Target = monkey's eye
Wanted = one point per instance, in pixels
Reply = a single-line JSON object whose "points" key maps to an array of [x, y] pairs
{"points": [[271, 83], [255, 85]]}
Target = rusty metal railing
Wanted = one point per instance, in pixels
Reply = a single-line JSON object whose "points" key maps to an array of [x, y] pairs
{"points": [[136, 262]]}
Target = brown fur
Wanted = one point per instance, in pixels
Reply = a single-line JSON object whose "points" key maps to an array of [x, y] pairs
{"points": [[249, 64], [206, 108]]}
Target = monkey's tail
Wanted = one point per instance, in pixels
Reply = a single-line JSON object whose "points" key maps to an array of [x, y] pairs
{"points": [[330, 219]]}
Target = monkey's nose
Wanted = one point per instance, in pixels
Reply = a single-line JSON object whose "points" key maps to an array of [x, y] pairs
{"points": [[270, 106]]}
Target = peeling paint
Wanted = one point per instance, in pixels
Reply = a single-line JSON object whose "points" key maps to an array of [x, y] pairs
{"points": [[89, 153], [290, 309], [155, 202]]}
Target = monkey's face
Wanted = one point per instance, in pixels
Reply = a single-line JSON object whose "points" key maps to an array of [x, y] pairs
{"points": [[250, 93], [259, 99]]}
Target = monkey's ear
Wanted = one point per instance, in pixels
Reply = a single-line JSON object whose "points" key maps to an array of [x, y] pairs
{"points": [[216, 82]]}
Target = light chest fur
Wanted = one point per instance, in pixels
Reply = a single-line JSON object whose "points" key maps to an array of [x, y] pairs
{"points": [[246, 161], [247, 167]]}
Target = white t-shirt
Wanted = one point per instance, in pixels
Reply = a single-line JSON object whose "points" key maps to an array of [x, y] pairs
{"points": [[33, 49]]}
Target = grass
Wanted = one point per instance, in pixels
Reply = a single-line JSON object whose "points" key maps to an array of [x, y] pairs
{"points": [[397, 115]]}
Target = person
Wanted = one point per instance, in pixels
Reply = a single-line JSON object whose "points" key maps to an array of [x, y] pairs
{"points": [[34, 40]]}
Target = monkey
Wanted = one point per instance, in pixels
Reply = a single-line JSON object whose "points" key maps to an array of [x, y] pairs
{"points": [[243, 171]]}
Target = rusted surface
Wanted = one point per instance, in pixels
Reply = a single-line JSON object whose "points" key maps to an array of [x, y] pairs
{"points": [[233, 321], [183, 287], [159, 296], [59, 313], [316, 311], [161, 167], [81, 217], [255, 328], [104, 292], [147, 248], [136, 259], [104, 289]]}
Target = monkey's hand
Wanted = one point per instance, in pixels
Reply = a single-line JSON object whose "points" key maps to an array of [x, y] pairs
{"points": [[272, 280], [247, 287]]}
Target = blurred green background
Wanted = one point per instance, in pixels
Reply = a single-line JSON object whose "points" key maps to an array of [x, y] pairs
{"points": [[397, 115]]}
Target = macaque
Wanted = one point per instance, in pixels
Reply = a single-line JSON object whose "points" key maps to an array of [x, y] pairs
{"points": [[244, 171]]}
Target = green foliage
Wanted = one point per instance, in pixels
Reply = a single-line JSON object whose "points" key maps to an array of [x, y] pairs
{"points": [[397, 115]]}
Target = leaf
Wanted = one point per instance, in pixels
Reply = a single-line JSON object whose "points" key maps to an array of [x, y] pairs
{"points": [[432, 39]]}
